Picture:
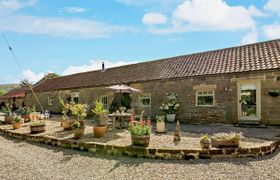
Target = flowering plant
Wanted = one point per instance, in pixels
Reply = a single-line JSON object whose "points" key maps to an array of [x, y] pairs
{"points": [[160, 118], [171, 106], [227, 136], [79, 110], [140, 128]]}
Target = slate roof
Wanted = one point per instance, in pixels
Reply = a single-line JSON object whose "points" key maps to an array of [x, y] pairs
{"points": [[252, 57], [15, 93]]}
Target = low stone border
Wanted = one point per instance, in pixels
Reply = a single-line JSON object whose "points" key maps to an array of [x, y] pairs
{"points": [[134, 151]]}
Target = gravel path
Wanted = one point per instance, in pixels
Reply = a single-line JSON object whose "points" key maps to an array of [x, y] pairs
{"points": [[24, 160]]}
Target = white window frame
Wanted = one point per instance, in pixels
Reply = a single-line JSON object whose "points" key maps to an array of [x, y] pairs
{"points": [[145, 96], [75, 95], [204, 95], [50, 101], [106, 106]]}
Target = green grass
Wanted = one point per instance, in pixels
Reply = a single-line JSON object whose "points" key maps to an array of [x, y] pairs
{"points": [[4, 88]]}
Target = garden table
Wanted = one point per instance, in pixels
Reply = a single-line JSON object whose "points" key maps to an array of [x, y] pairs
{"points": [[120, 121]]}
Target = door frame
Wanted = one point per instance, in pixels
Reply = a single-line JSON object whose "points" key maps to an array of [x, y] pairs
{"points": [[258, 99]]}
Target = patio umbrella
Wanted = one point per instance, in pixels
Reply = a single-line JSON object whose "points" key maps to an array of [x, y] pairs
{"points": [[121, 88]]}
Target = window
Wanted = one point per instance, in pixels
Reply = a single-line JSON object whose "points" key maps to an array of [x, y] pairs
{"points": [[50, 101], [104, 101], [145, 100], [75, 97], [205, 98]]}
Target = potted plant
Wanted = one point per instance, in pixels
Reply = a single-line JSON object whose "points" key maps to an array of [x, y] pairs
{"points": [[99, 129], [17, 123], [205, 142], [170, 107], [25, 113], [226, 139], [274, 92], [80, 111], [140, 133], [160, 124], [8, 119], [77, 129], [37, 127], [65, 122]]}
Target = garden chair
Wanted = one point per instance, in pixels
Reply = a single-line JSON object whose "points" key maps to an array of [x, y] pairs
{"points": [[46, 115]]}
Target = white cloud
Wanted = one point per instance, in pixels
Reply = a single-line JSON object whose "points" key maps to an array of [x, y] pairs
{"points": [[213, 15], [273, 6], [250, 38], [256, 12], [149, 2], [94, 65], [74, 9], [209, 15], [154, 18], [31, 76], [10, 6], [272, 31], [64, 27]]}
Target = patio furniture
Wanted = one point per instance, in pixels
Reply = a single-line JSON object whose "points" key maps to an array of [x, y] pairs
{"points": [[120, 121], [45, 115]]}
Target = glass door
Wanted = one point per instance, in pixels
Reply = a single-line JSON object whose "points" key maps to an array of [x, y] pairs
{"points": [[249, 101]]}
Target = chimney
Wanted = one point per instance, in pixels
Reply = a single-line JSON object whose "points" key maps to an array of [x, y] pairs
{"points": [[103, 66]]}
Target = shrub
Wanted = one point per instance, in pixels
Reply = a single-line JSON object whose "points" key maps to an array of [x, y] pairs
{"points": [[76, 125], [227, 136], [37, 123], [140, 128], [18, 119]]}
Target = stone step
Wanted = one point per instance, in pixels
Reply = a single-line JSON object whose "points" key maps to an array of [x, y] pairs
{"points": [[250, 123]]}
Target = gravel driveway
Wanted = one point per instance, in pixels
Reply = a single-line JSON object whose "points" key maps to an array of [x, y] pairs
{"points": [[24, 160]]}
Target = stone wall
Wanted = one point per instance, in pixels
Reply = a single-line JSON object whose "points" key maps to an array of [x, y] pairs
{"points": [[225, 87], [18, 101]]}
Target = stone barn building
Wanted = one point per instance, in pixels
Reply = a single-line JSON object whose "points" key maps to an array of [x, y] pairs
{"points": [[222, 86], [15, 97]]}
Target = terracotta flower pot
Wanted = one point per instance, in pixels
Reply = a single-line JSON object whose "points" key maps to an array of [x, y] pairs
{"points": [[26, 117], [140, 140], [17, 125], [37, 128], [66, 125], [99, 131], [79, 133]]}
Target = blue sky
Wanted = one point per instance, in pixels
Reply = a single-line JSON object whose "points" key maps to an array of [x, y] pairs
{"points": [[70, 36]]}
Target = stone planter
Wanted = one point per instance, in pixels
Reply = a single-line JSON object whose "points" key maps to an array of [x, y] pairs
{"points": [[170, 117], [8, 119], [99, 131], [17, 125], [79, 133], [34, 129], [26, 117], [160, 127], [224, 143], [66, 125], [140, 140]]}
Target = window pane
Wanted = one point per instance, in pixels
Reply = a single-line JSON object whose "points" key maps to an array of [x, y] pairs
{"points": [[146, 101], [200, 92], [205, 100]]}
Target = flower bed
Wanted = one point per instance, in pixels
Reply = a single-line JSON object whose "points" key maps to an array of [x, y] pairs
{"points": [[118, 142]]}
